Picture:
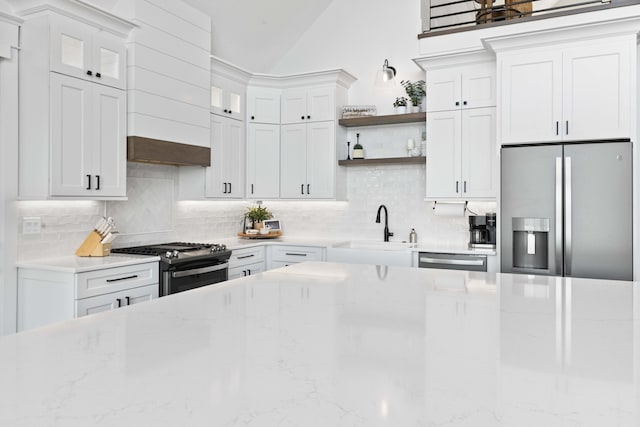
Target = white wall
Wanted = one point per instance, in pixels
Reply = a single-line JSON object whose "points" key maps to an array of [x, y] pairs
{"points": [[358, 35]]}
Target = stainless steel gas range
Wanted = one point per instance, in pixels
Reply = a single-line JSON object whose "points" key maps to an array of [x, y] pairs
{"points": [[185, 266]]}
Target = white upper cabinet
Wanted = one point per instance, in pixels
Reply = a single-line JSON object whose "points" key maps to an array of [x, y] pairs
{"points": [[307, 161], [263, 105], [308, 105], [263, 161], [73, 105], [572, 92], [225, 176], [88, 139], [467, 86], [461, 154], [228, 97], [88, 53]]}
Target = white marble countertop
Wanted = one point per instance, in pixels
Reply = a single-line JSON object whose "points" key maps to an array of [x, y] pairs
{"points": [[76, 264], [321, 344]]}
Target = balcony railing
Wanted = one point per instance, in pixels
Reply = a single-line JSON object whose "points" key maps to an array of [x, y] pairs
{"points": [[444, 16]]}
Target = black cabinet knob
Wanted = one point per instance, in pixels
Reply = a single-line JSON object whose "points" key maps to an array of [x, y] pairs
{"points": [[89, 73], [98, 75], [308, 117], [301, 117], [253, 117], [457, 103], [464, 103]]}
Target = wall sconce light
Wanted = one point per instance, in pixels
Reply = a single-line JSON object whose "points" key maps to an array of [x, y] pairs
{"points": [[388, 72]]}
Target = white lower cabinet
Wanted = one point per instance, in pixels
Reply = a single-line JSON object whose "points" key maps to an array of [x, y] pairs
{"points": [[245, 262], [48, 295], [284, 255]]}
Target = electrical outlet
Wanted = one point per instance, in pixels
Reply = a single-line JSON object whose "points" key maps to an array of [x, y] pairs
{"points": [[31, 225]]}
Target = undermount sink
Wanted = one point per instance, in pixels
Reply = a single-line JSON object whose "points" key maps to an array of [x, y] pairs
{"points": [[371, 252], [374, 245]]}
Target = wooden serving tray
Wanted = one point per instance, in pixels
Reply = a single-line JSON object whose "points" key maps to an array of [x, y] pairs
{"points": [[271, 235]]}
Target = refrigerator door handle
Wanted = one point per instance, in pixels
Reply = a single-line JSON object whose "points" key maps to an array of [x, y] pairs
{"points": [[558, 230], [568, 216]]}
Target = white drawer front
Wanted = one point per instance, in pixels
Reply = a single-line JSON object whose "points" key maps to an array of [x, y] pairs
{"points": [[240, 257], [295, 254], [109, 280], [112, 301]]}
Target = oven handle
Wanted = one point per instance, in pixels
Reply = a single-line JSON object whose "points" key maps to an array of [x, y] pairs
{"points": [[202, 270]]}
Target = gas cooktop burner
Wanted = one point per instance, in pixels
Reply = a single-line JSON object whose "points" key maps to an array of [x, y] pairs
{"points": [[179, 251]]}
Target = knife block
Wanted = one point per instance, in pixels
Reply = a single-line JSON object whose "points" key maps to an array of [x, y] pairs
{"points": [[92, 246]]}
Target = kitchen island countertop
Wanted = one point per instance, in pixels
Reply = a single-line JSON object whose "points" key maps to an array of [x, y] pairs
{"points": [[323, 344]]}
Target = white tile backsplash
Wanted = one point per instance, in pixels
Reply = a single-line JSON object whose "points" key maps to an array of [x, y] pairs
{"points": [[153, 215]]}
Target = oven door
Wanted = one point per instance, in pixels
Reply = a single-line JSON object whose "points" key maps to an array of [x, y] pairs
{"points": [[191, 277]]}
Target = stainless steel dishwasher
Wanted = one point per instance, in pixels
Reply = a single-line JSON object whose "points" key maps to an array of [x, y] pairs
{"points": [[446, 261]]}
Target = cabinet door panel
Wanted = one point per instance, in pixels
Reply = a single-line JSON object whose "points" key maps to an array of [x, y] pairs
{"points": [[443, 90], [109, 60], [109, 141], [479, 156], [596, 92], [531, 98], [294, 106], [214, 176], [71, 52], [225, 177], [443, 154], [320, 160], [479, 85], [321, 105], [264, 106], [293, 172], [70, 139], [263, 161]]}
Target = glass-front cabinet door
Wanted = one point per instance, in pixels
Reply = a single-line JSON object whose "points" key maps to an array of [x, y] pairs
{"points": [[82, 51]]}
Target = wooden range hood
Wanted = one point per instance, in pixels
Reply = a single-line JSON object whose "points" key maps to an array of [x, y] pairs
{"points": [[148, 150]]}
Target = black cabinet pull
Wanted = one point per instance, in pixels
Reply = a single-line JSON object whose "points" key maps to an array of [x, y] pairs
{"points": [[308, 188], [557, 128], [119, 302], [301, 188], [244, 272], [464, 185], [249, 272], [89, 73], [457, 185], [128, 300], [246, 256], [251, 188], [225, 188], [97, 182], [229, 188], [566, 125], [88, 182], [98, 75], [294, 254], [122, 278]]}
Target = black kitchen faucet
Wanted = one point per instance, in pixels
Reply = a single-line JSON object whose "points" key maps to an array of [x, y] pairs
{"points": [[387, 233]]}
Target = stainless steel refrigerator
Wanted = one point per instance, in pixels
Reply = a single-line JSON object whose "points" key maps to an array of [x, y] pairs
{"points": [[566, 210]]}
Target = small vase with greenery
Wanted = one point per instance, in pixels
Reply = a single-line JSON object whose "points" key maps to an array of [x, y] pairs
{"points": [[400, 105], [257, 214], [416, 91]]}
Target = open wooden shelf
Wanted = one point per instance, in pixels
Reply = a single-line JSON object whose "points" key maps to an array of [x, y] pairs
{"points": [[385, 161], [392, 119]]}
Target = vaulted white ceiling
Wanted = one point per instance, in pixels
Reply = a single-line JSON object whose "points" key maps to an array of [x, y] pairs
{"points": [[255, 34]]}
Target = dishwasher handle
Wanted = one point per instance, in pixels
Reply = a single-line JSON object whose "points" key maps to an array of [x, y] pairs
{"points": [[452, 261]]}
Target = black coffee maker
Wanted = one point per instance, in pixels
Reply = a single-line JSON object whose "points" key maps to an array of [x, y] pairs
{"points": [[482, 231]]}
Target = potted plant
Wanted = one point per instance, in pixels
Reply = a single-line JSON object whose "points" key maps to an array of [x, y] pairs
{"points": [[415, 91], [401, 105], [257, 214]]}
